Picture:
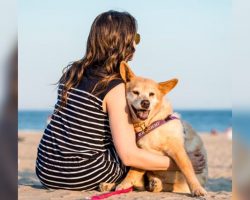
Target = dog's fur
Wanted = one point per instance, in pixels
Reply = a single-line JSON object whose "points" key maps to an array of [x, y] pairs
{"points": [[168, 139]]}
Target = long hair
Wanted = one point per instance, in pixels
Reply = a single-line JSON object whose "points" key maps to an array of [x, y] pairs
{"points": [[110, 41]]}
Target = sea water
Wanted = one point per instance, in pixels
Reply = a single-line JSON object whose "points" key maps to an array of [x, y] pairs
{"points": [[201, 120]]}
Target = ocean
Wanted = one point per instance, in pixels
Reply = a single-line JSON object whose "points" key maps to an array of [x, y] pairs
{"points": [[201, 120]]}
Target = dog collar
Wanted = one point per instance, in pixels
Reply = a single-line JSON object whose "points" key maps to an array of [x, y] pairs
{"points": [[139, 127], [153, 126]]}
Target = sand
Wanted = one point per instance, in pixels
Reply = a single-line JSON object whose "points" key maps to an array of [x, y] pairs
{"points": [[219, 186]]}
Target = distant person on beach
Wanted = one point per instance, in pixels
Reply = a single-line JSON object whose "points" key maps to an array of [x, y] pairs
{"points": [[90, 138], [229, 133], [213, 132]]}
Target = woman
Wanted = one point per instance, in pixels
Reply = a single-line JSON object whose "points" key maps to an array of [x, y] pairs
{"points": [[90, 139]]}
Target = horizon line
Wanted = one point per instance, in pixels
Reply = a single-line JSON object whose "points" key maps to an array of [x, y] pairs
{"points": [[205, 109]]}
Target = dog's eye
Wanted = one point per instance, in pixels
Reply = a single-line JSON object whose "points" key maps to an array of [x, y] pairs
{"points": [[136, 92], [151, 94]]}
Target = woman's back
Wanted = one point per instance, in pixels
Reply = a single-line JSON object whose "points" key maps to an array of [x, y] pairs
{"points": [[76, 150]]}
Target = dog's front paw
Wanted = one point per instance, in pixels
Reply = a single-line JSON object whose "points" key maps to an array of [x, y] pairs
{"points": [[198, 191], [106, 187], [155, 185], [124, 185]]}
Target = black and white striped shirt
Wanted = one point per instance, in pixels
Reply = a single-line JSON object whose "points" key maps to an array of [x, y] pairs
{"points": [[76, 150]]}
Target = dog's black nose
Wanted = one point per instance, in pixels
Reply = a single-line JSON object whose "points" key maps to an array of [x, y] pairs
{"points": [[145, 104]]}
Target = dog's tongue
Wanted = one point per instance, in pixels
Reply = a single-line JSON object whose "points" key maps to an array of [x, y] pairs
{"points": [[143, 114]]}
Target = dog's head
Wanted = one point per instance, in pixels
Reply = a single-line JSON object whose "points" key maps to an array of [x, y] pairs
{"points": [[143, 95]]}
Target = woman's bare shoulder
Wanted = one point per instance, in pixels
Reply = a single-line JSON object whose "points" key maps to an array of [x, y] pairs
{"points": [[114, 96]]}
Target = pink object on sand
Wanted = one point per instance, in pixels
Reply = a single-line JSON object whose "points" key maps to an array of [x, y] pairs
{"points": [[109, 194]]}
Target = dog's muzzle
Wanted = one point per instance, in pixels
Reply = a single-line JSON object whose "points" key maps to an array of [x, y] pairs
{"points": [[142, 114]]}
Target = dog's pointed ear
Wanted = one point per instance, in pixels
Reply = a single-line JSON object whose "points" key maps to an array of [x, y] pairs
{"points": [[126, 72], [166, 86]]}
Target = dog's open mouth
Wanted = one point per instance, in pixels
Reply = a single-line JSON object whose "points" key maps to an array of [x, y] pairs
{"points": [[142, 114]]}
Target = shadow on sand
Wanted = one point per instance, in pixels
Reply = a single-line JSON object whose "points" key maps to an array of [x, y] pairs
{"points": [[28, 178], [219, 184]]}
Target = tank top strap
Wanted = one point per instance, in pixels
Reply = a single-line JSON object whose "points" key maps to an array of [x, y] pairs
{"points": [[109, 87], [90, 79]]}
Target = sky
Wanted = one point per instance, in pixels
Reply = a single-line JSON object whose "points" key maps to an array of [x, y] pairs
{"points": [[188, 40]]}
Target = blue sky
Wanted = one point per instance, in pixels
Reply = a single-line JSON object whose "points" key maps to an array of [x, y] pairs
{"points": [[189, 40]]}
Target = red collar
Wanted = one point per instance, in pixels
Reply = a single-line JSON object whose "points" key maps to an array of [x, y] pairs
{"points": [[153, 126]]}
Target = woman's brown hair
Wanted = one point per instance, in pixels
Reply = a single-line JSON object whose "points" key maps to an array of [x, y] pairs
{"points": [[110, 41]]}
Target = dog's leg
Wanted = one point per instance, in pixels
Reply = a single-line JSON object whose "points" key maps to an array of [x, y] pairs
{"points": [[154, 183], [134, 178], [177, 152], [106, 187]]}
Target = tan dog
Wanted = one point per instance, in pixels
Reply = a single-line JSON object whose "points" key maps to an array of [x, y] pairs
{"points": [[146, 102]]}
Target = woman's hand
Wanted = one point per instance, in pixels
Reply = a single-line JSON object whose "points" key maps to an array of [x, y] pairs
{"points": [[198, 161]]}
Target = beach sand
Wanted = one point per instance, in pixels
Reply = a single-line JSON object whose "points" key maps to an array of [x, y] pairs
{"points": [[219, 185]]}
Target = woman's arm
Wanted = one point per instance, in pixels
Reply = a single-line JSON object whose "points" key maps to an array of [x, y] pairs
{"points": [[124, 136]]}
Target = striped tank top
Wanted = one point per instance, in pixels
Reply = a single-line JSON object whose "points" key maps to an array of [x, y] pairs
{"points": [[76, 151]]}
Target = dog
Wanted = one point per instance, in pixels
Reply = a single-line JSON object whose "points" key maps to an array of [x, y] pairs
{"points": [[168, 135]]}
